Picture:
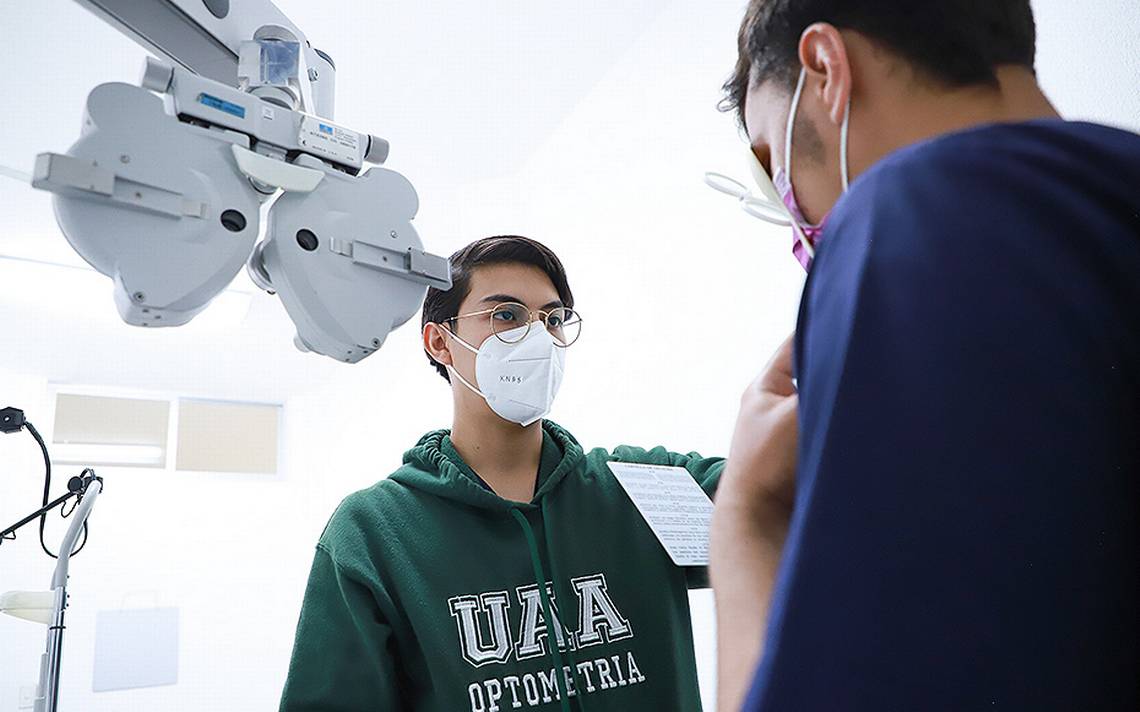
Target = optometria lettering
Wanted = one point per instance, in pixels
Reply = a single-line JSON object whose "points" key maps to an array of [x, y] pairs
{"points": [[513, 692]]}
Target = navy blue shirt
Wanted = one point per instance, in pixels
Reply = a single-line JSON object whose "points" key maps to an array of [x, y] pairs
{"points": [[968, 356]]}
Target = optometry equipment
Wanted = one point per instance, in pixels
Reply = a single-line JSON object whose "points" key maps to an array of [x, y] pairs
{"points": [[48, 607], [163, 190]]}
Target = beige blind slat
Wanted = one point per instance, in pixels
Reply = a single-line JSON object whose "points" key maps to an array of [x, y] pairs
{"points": [[119, 421]]}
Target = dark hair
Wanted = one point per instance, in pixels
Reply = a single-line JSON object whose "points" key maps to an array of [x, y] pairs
{"points": [[442, 306], [954, 42]]}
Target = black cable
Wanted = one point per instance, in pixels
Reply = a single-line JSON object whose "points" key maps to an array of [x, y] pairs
{"points": [[47, 482], [82, 543], [66, 514], [47, 491]]}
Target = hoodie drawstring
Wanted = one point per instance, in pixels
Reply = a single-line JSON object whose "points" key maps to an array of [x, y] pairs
{"points": [[552, 630], [557, 577]]}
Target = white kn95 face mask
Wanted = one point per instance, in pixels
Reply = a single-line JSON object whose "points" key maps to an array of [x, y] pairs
{"points": [[518, 380]]}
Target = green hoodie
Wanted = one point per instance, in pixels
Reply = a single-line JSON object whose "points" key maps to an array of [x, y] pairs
{"points": [[423, 595]]}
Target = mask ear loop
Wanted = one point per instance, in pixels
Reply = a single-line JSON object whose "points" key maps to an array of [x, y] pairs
{"points": [[796, 227], [791, 123], [843, 144], [464, 381], [453, 371]]}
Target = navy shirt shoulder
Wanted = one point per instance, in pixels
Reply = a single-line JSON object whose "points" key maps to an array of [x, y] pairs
{"points": [[968, 355]]}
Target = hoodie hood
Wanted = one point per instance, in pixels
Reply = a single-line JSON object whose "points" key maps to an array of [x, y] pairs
{"points": [[432, 466]]}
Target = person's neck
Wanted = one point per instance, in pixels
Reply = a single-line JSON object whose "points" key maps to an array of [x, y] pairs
{"points": [[928, 112], [506, 455]]}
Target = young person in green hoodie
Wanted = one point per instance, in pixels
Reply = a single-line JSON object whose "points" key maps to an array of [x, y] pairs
{"points": [[502, 567]]}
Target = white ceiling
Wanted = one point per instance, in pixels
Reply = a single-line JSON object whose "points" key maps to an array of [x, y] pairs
{"points": [[586, 124]]}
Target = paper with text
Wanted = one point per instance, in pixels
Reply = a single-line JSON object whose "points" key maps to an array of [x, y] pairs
{"points": [[673, 504]]}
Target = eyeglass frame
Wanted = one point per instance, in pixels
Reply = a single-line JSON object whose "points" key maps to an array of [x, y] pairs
{"points": [[531, 313]]}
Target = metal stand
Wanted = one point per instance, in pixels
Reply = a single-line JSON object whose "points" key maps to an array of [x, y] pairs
{"points": [[48, 692], [87, 489]]}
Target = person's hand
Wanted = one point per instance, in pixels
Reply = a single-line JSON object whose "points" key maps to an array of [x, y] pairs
{"points": [[761, 465], [750, 519]]}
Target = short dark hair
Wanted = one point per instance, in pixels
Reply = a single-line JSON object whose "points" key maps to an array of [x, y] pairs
{"points": [[954, 42], [442, 306]]}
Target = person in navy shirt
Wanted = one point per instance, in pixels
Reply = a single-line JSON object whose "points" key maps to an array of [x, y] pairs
{"points": [[940, 511]]}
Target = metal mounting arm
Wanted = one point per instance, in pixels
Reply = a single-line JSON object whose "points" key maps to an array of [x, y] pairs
{"points": [[205, 37]]}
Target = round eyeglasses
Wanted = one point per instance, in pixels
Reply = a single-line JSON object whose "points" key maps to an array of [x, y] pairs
{"points": [[563, 323]]}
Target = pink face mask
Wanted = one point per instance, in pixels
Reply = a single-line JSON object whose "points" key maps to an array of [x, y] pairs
{"points": [[806, 238]]}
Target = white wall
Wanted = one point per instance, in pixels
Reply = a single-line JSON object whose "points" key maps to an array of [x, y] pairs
{"points": [[220, 547], [1088, 59]]}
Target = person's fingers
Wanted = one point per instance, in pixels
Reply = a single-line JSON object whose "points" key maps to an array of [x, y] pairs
{"points": [[778, 373]]}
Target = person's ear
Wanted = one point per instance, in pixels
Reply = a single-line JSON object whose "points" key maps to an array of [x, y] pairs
{"points": [[823, 54], [435, 343]]}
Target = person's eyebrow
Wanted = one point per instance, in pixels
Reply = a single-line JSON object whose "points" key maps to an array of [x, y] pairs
{"points": [[500, 298]]}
